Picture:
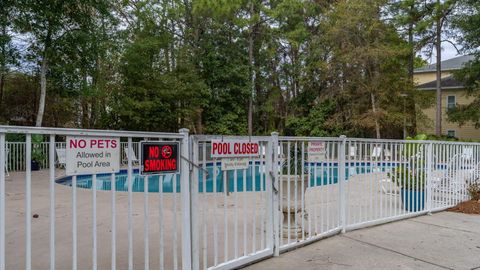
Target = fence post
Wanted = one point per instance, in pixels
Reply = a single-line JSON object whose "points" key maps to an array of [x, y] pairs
{"points": [[195, 203], [429, 177], [2, 201], [275, 195], [185, 195], [341, 184]]}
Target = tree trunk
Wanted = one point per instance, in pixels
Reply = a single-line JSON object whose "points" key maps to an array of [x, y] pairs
{"points": [[374, 109], [43, 81], [199, 124], [3, 70], [438, 47], [2, 86], [43, 91], [252, 74], [411, 67], [411, 58]]}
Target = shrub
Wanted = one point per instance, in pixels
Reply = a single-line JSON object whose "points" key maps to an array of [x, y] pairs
{"points": [[407, 178], [37, 153], [474, 191]]}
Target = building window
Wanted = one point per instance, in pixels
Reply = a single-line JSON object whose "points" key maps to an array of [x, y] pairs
{"points": [[451, 133], [451, 102]]}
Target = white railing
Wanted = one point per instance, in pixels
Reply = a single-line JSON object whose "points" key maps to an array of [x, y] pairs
{"points": [[15, 154], [232, 210], [114, 223], [298, 190], [355, 183]]}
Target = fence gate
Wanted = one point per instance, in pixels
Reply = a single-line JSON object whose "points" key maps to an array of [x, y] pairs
{"points": [[232, 203], [235, 200], [92, 220]]}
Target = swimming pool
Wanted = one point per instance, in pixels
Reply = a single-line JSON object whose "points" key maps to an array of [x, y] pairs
{"points": [[320, 174]]}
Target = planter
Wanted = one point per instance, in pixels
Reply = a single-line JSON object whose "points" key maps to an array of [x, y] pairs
{"points": [[35, 165], [295, 228], [413, 200]]}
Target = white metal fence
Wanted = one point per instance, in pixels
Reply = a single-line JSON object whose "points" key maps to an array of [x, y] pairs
{"points": [[232, 210], [298, 190], [15, 154], [74, 215]]}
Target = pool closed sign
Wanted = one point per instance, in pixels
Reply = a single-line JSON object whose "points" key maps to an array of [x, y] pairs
{"points": [[159, 157], [92, 155], [230, 148]]}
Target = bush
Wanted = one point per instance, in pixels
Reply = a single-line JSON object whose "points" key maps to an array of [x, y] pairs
{"points": [[432, 137], [37, 153], [474, 191], [407, 178]]}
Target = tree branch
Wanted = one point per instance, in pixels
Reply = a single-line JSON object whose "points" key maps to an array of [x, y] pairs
{"points": [[453, 44]]}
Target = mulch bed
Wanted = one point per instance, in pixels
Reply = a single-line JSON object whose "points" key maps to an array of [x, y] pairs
{"points": [[468, 207]]}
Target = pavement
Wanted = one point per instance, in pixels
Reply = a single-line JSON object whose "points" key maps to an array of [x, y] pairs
{"points": [[444, 240]]}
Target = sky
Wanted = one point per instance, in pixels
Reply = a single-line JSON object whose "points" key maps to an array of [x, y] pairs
{"points": [[448, 52]]}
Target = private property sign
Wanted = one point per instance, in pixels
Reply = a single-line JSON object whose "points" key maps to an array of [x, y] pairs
{"points": [[159, 157], [316, 151], [234, 148], [92, 155]]}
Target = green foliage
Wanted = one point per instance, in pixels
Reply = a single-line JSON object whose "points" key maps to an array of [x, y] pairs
{"points": [[474, 190], [311, 68], [408, 178], [470, 76], [433, 137], [369, 71], [467, 22], [37, 153], [316, 123], [419, 137]]}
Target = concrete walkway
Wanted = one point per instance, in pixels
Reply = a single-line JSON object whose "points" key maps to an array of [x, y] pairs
{"points": [[444, 240]]}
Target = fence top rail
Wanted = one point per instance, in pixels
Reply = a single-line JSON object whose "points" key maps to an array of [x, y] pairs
{"points": [[206, 138], [293, 138], [371, 140], [86, 132]]}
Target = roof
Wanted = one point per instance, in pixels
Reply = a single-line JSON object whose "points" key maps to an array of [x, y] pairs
{"points": [[450, 64], [447, 83]]}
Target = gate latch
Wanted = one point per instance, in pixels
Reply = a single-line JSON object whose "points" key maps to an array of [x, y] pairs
{"points": [[195, 165], [275, 189]]}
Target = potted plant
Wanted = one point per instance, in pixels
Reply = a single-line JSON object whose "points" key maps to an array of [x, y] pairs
{"points": [[291, 180], [37, 154], [412, 187]]}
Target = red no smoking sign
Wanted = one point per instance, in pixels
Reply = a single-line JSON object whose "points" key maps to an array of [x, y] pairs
{"points": [[159, 157]]}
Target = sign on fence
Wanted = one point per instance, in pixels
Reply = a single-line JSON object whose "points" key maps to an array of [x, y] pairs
{"points": [[92, 155], [316, 151], [234, 148], [159, 157], [234, 164]]}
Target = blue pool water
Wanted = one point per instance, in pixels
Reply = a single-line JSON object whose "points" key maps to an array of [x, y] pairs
{"points": [[320, 174]]}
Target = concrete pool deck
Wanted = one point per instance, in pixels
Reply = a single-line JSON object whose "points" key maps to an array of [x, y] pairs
{"points": [[444, 240]]}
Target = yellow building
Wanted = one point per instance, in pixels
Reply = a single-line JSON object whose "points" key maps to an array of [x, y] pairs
{"points": [[453, 94]]}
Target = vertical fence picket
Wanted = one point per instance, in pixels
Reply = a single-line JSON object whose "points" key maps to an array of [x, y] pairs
{"points": [[113, 248], [51, 166], [28, 203], [2, 201]]}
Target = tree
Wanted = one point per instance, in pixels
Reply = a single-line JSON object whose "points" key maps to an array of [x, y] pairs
{"points": [[8, 52], [367, 67], [412, 19], [467, 22], [49, 23], [224, 67]]}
